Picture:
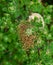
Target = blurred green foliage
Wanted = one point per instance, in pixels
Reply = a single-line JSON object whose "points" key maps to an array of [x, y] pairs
{"points": [[11, 51]]}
